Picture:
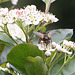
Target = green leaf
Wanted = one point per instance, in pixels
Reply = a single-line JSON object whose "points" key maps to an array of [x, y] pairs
{"points": [[67, 70], [1, 47], [5, 38], [1, 1], [5, 47], [43, 29], [18, 54], [4, 53], [4, 73], [35, 66], [62, 34]]}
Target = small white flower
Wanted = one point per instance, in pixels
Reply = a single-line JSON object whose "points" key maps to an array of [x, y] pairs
{"points": [[71, 44], [52, 50], [5, 20], [52, 1], [41, 46], [14, 2], [47, 53], [65, 42], [68, 43], [8, 65], [66, 51], [50, 17], [58, 47], [54, 44], [1, 24], [3, 11], [53, 18]]}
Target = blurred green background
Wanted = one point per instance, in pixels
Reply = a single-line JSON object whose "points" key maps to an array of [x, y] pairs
{"points": [[63, 9]]}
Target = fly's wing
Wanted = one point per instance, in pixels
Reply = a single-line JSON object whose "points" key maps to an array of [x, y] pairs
{"points": [[51, 33], [39, 34]]}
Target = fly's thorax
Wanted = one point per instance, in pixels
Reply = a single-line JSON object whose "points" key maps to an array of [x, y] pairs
{"points": [[46, 39]]}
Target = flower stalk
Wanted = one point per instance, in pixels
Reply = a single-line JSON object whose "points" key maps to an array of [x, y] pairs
{"points": [[65, 64]]}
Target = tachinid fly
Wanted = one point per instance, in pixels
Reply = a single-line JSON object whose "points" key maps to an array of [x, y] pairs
{"points": [[44, 36]]}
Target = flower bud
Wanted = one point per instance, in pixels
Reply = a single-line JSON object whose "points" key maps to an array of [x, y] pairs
{"points": [[54, 44], [58, 47], [47, 53]]}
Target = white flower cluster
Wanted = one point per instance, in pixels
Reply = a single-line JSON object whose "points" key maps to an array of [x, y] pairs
{"points": [[64, 47], [43, 46], [69, 44], [29, 15]]}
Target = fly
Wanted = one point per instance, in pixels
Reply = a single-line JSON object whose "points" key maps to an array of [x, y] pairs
{"points": [[45, 37]]}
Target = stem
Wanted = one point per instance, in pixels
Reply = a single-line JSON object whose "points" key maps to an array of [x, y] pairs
{"points": [[43, 25], [65, 64], [53, 57], [27, 38], [13, 39], [47, 6], [32, 27], [31, 37], [23, 29], [27, 28], [65, 58], [46, 11], [35, 30], [7, 32], [55, 60], [25, 35], [69, 56], [47, 72], [61, 68]]}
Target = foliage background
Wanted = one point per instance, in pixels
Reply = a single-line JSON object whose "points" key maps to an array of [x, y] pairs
{"points": [[63, 9]]}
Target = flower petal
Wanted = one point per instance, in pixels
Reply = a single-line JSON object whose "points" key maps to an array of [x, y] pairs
{"points": [[47, 53]]}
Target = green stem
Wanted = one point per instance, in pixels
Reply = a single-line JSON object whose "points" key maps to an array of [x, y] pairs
{"points": [[25, 35], [65, 64], [23, 29], [53, 57], [65, 58], [7, 32], [42, 26], [47, 72], [69, 56], [27, 28], [31, 28], [13, 39], [55, 60], [35, 30], [37, 26], [31, 37]]}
